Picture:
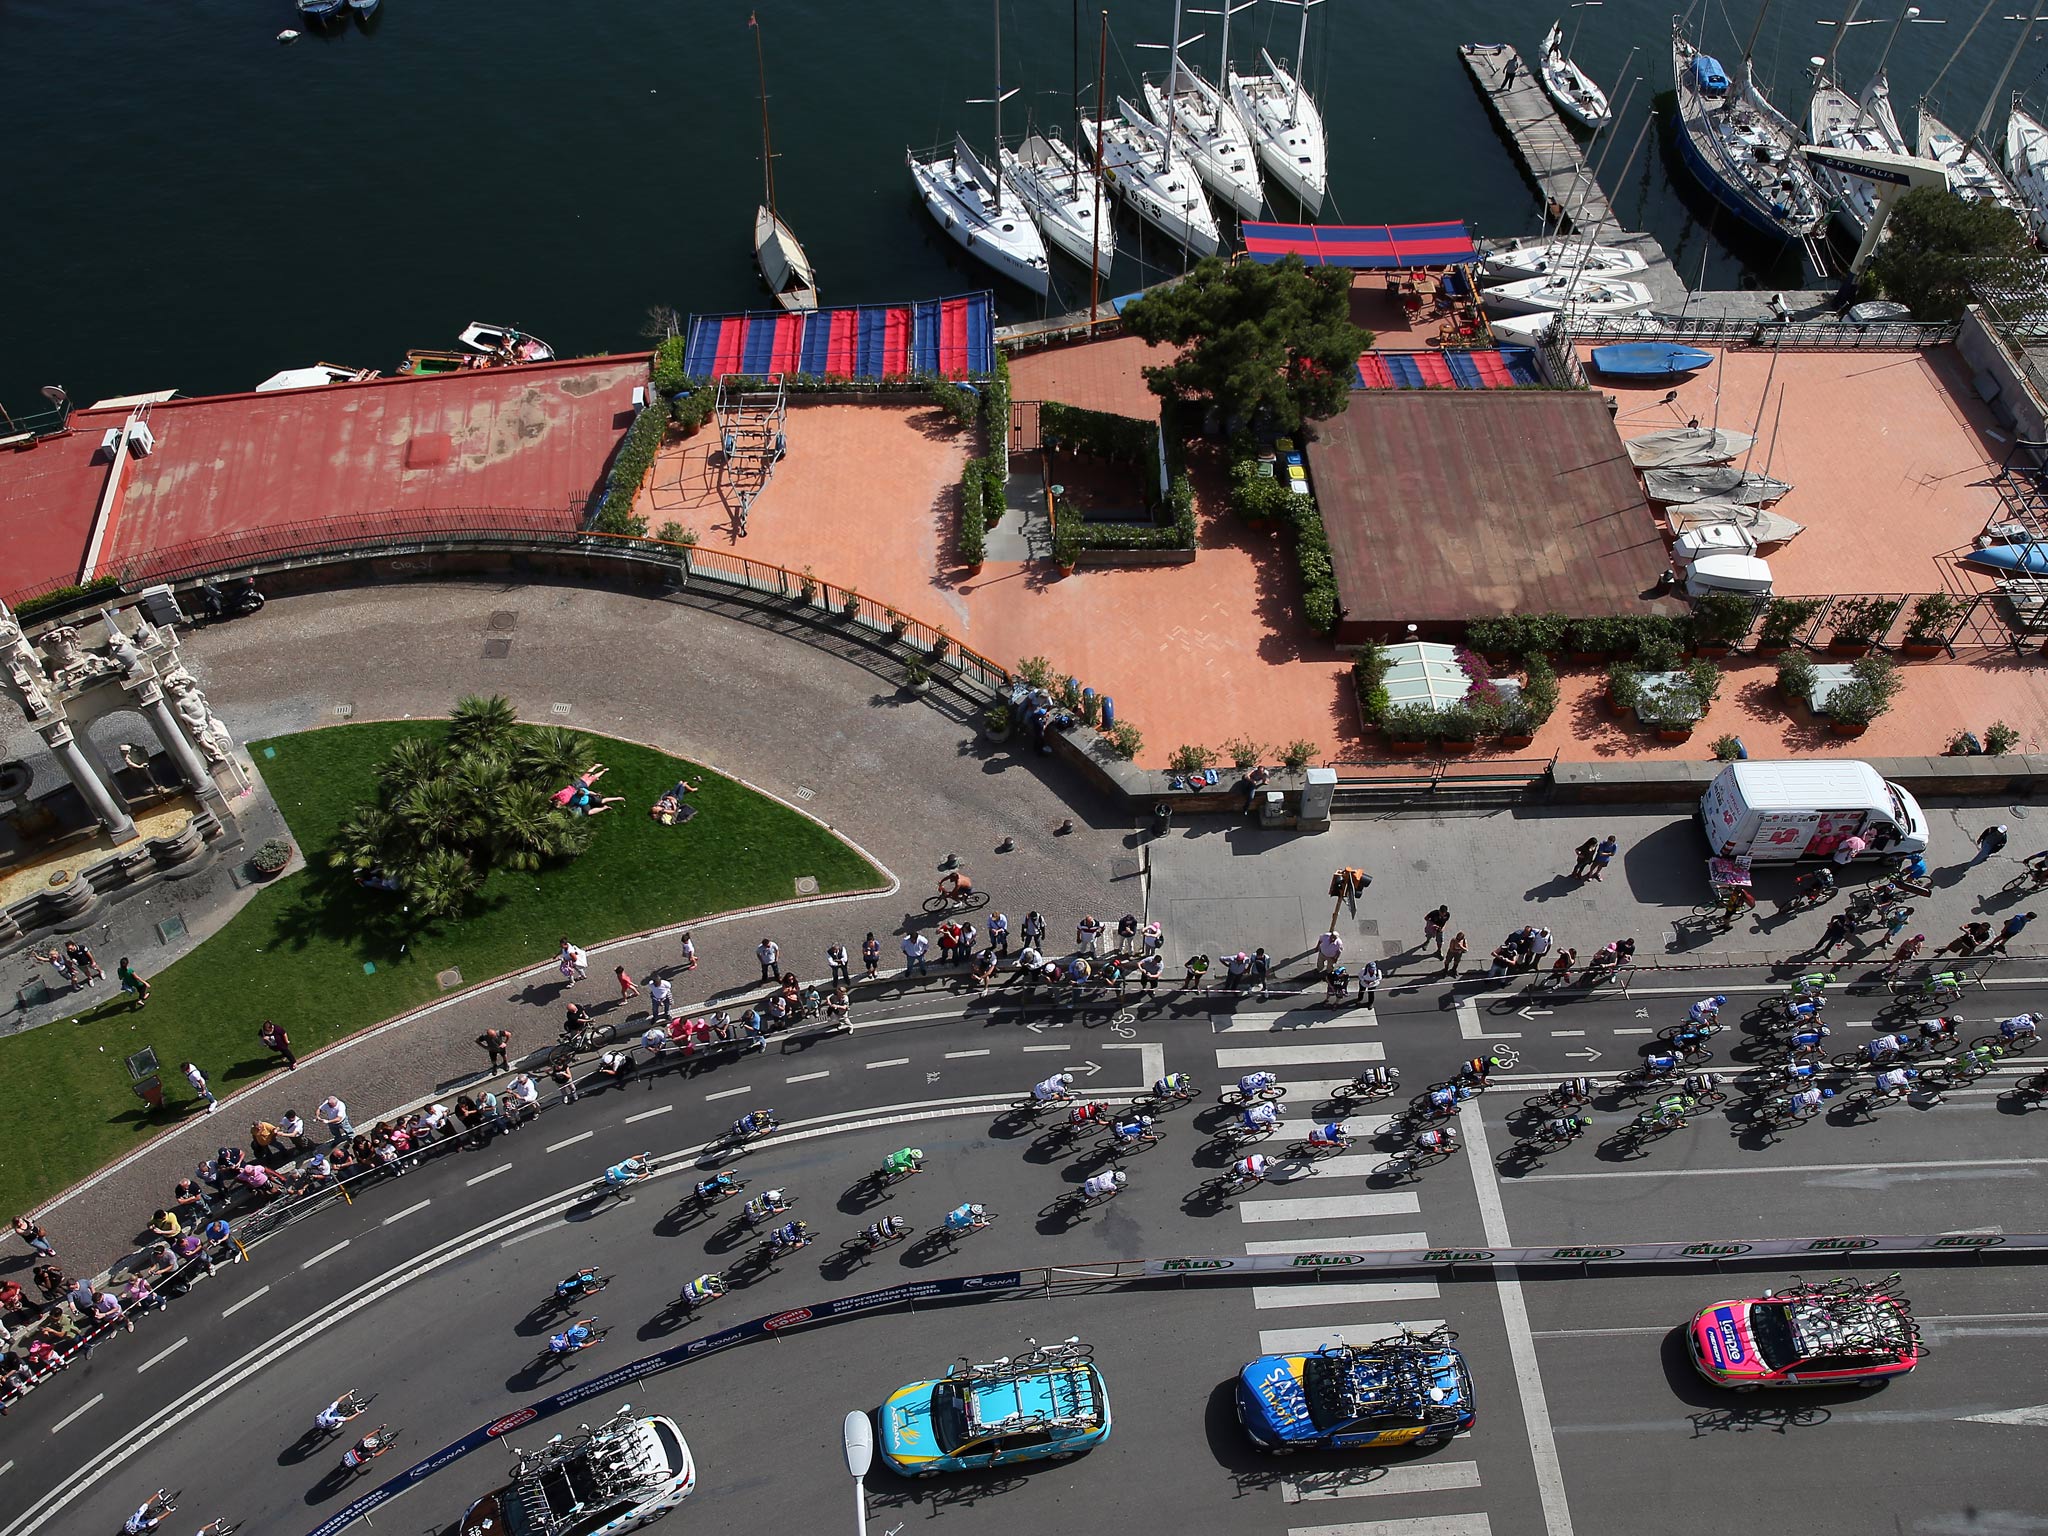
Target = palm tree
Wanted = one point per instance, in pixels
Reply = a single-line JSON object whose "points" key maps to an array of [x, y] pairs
{"points": [[439, 817], [441, 884], [480, 723], [477, 780], [525, 826], [371, 838], [553, 755], [412, 761]]}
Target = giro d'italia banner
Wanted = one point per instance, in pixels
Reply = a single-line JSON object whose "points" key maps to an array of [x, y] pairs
{"points": [[1616, 1254]]}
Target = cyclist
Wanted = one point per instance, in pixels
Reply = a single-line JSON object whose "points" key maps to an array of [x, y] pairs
{"points": [[155, 1510], [1707, 1009], [789, 1237], [702, 1291], [956, 885], [1691, 1039], [755, 1122], [1894, 1080], [1808, 1038], [887, 1230], [1251, 1169], [770, 1202], [716, 1187], [1136, 1129], [1883, 1048], [1103, 1185], [1949, 982], [2021, 1026], [1699, 1084], [966, 1218], [1817, 886], [366, 1450], [1807, 1101], [1566, 1127], [339, 1412], [1373, 1079], [905, 1160], [1801, 1071], [1331, 1135], [1977, 1060], [1475, 1071], [1444, 1101], [1088, 1112], [1812, 984], [1261, 1117], [1053, 1089], [568, 1290], [1937, 1032], [1668, 1112], [1660, 1064], [1804, 1011], [1175, 1085], [1573, 1090], [572, 1338], [631, 1171], [1445, 1140], [1252, 1084]]}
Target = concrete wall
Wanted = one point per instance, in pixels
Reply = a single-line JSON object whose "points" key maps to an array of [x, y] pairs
{"points": [[2016, 404]]}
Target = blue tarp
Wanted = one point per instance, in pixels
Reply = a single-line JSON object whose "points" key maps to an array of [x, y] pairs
{"points": [[1709, 76]]}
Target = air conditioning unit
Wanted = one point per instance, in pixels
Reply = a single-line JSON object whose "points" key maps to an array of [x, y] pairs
{"points": [[111, 443], [141, 440]]}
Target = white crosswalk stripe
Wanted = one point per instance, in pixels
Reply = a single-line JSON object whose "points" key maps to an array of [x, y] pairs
{"points": [[1302, 1341], [1326, 1294], [1430, 1525], [1330, 1207], [1321, 1053], [1376, 1481], [1357, 1242]]}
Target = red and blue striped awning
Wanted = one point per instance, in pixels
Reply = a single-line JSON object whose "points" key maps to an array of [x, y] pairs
{"points": [[1373, 246], [954, 338]]}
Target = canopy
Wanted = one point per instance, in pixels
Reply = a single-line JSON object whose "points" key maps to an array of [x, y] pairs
{"points": [[950, 337], [1373, 246]]}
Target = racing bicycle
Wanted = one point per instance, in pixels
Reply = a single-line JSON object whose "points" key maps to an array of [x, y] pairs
{"points": [[1272, 1093], [219, 1528], [581, 1041], [1371, 1084], [1155, 1102], [1547, 1138], [1940, 989], [1869, 1101]]}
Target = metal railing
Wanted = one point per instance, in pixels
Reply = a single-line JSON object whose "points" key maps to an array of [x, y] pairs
{"points": [[1802, 335]]}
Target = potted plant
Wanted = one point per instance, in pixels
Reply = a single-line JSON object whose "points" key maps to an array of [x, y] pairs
{"points": [[1497, 637], [1368, 682], [807, 587], [1681, 701], [1458, 726], [1727, 749], [1516, 722], [270, 857], [941, 643], [899, 624], [1409, 728], [996, 721], [1927, 631], [1066, 545], [1796, 677], [1295, 755], [849, 604], [1868, 694], [1784, 618], [917, 677], [1590, 639], [1624, 687], [1858, 622], [1542, 634], [1720, 620], [2000, 739]]}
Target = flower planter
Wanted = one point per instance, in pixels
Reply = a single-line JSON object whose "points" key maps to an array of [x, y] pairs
{"points": [[1922, 648], [1848, 647], [1407, 748], [1498, 660], [1711, 648], [1614, 706], [1848, 727], [1771, 650], [1457, 748], [1674, 733], [1516, 742], [1588, 658]]}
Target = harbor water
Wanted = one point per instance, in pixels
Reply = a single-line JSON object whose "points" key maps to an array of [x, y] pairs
{"points": [[192, 204]]}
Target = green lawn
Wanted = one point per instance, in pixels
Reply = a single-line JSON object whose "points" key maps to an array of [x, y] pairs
{"points": [[326, 958]]}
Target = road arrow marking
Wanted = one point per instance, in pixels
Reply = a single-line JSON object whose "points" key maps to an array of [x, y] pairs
{"points": [[1089, 1068], [2037, 1416], [1527, 1012], [1589, 1053], [1042, 1025], [1642, 1013]]}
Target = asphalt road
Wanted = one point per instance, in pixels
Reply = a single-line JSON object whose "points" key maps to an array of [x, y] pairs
{"points": [[420, 1292]]}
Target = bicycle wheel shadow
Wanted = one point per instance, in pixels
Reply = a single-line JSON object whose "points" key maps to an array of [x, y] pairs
{"points": [[307, 1446], [334, 1484]]}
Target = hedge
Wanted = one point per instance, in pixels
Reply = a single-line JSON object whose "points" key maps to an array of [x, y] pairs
{"points": [[629, 468], [974, 484], [1102, 435], [59, 597], [1318, 577], [995, 421]]}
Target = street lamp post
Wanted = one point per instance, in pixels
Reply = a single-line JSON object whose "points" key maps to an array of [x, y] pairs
{"points": [[860, 1454]]}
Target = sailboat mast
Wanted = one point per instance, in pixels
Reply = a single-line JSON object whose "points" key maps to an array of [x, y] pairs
{"points": [[1827, 68], [1172, 78], [1928, 94], [1223, 56], [767, 154], [1863, 101], [2005, 74], [1095, 226], [999, 108], [1300, 53], [1077, 82]]}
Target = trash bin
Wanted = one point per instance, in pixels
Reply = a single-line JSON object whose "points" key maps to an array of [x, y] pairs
{"points": [[1162, 818], [151, 1091], [1272, 808]]}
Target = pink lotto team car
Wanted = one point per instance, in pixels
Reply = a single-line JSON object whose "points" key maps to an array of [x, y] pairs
{"points": [[1836, 1333]]}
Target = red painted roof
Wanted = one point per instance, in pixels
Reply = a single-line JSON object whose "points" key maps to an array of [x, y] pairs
{"points": [[528, 438]]}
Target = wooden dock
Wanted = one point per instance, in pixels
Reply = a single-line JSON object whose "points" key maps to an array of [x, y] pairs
{"points": [[1549, 152]]}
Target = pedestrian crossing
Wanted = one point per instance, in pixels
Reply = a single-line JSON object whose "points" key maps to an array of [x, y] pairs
{"points": [[1323, 1210]]}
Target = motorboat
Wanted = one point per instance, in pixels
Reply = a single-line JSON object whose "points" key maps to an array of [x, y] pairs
{"points": [[1649, 360], [1062, 196], [2026, 165], [317, 375], [322, 10], [1582, 295], [967, 200], [1718, 482], [1705, 540], [428, 361], [1286, 125], [1743, 574], [1570, 86], [777, 251], [1208, 125], [365, 9], [1682, 446], [1741, 149], [1541, 257], [1138, 157], [501, 343], [1972, 173]]}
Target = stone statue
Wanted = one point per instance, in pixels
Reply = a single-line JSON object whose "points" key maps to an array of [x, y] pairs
{"points": [[146, 635], [192, 710], [10, 631], [134, 754], [122, 650], [34, 701], [214, 741]]}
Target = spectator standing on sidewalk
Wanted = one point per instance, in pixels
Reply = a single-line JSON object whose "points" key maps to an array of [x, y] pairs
{"points": [[999, 935], [1540, 942], [573, 962], [1198, 970], [83, 962], [842, 968], [1604, 856], [291, 1126], [660, 997], [1235, 969], [1368, 982], [1433, 926], [497, 1043], [1087, 934], [278, 1043], [132, 984], [689, 952], [1991, 840], [871, 955], [1032, 929], [1029, 962], [1896, 922], [1454, 954], [1127, 933], [915, 948], [1583, 860], [769, 953], [1329, 950], [2011, 930], [333, 1114], [628, 988], [32, 1234], [1967, 940], [564, 1076], [1561, 968], [197, 1079], [1148, 971], [1260, 968], [1840, 928]]}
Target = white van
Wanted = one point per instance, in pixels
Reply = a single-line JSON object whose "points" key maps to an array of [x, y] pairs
{"points": [[1783, 811]]}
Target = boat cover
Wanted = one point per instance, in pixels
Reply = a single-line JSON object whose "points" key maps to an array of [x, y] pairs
{"points": [[1686, 445], [952, 337], [1721, 482], [1649, 359], [1765, 527], [1487, 368], [1377, 247], [1709, 76]]}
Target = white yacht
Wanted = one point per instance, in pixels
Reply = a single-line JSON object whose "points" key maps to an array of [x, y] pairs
{"points": [[1138, 157], [1287, 126], [1582, 295], [1059, 191], [1570, 86], [1208, 125], [1837, 120], [1541, 258], [2026, 163], [968, 202]]}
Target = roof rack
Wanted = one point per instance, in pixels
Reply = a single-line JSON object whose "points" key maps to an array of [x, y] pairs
{"points": [[1069, 1409], [1405, 1375], [1844, 1316]]}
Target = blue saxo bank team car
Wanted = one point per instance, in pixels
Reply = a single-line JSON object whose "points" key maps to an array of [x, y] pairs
{"points": [[1047, 1404], [1410, 1390]]}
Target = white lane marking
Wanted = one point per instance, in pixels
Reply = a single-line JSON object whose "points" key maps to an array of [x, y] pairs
{"points": [[1428, 1525], [648, 1114], [1030, 1048], [408, 1211], [6, 1467], [2034, 1415], [1665, 1173], [546, 1226], [808, 1077], [1316, 1294], [1305, 1341], [726, 1093], [1366, 1242], [492, 1174], [556, 1146], [96, 1400], [325, 1253], [1331, 1207], [1302, 1055], [893, 1061], [1635, 1031], [1514, 1312], [1567, 1034], [163, 1354], [1600, 1333], [1151, 1063], [1369, 1481], [963, 1055], [261, 1290]]}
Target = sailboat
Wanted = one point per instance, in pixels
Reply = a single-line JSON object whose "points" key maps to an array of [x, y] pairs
{"points": [[1837, 120], [1742, 149], [2026, 163], [1060, 189], [967, 200], [784, 266], [1971, 169], [1570, 86], [1285, 122], [1195, 111], [1137, 156]]}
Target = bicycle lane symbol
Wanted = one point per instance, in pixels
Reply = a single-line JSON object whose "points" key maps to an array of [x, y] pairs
{"points": [[1124, 1026]]}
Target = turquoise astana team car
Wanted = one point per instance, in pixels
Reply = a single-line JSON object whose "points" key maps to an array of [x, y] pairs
{"points": [[1409, 1390], [1047, 1404]]}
